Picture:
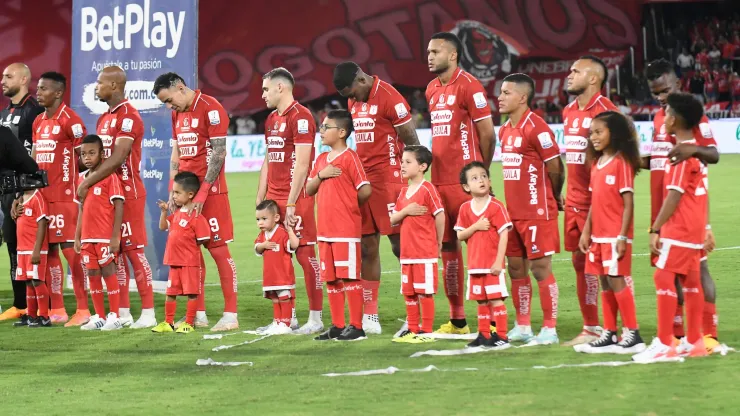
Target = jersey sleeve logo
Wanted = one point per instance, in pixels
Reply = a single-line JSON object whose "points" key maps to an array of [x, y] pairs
{"points": [[302, 126], [97, 190], [705, 130], [545, 140], [214, 118], [127, 125], [77, 130], [401, 111], [480, 100]]}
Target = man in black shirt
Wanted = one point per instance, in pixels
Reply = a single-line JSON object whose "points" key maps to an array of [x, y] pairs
{"points": [[18, 117]]}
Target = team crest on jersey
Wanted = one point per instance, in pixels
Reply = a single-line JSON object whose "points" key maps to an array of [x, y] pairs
{"points": [[29, 212], [46, 130], [113, 122], [282, 127], [662, 129], [518, 141], [373, 109], [195, 122], [183, 223], [186, 123], [441, 98], [431, 101], [575, 124], [353, 110], [276, 126], [105, 126], [86, 259], [611, 180], [508, 141], [364, 107], [97, 191], [586, 123], [450, 99], [485, 53], [55, 130]]}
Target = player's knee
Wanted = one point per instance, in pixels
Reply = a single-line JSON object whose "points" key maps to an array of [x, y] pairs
{"points": [[604, 281], [109, 269], [370, 247], [516, 269], [541, 268]]}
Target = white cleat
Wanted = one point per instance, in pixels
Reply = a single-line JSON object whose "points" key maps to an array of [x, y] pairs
{"points": [[310, 327], [112, 323], [201, 320], [371, 325], [266, 328], [279, 329], [294, 324], [657, 351], [144, 321], [94, 324], [126, 320], [228, 322], [402, 331]]}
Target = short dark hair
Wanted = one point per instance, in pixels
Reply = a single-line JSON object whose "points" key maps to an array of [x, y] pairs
{"points": [[343, 119], [56, 77], [93, 138], [345, 74], [421, 153], [658, 68], [164, 81], [269, 205], [280, 73], [471, 165], [519, 79], [453, 39], [687, 108], [598, 61], [188, 180]]}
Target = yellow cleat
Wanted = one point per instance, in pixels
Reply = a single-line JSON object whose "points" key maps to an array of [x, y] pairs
{"points": [[421, 339], [12, 314], [185, 328], [163, 327], [710, 343], [405, 337], [448, 328]]}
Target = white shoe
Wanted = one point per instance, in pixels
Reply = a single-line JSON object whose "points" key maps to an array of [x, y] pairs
{"points": [[112, 323], [294, 324], [310, 327], [145, 321], [402, 331], [547, 336], [371, 325], [126, 319], [655, 352], [228, 322], [266, 328], [94, 324], [279, 329], [201, 320]]}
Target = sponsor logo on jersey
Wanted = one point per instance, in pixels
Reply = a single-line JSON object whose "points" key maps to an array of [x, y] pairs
{"points": [[188, 151], [657, 163], [511, 174], [97, 190], [441, 130], [46, 145], [576, 143], [65, 165], [363, 123], [575, 158], [107, 140], [441, 116], [364, 137], [187, 138], [661, 149], [511, 159], [533, 200], [276, 157], [464, 141], [274, 142], [44, 157]]}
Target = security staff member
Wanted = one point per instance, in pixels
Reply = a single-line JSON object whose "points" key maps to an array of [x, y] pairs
{"points": [[18, 117]]}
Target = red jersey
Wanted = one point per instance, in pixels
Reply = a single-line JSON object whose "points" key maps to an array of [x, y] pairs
{"points": [[194, 129], [609, 180], [419, 233], [525, 149], [277, 264], [123, 122], [483, 245], [454, 109], [375, 123], [687, 226], [55, 139], [185, 231], [339, 216], [577, 125], [35, 209], [97, 209], [662, 145], [283, 133]]}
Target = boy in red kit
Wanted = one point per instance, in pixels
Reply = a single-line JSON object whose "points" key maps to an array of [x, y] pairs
{"points": [[421, 215], [276, 247], [484, 224], [187, 231], [33, 246], [342, 186], [606, 240], [677, 238], [98, 236]]}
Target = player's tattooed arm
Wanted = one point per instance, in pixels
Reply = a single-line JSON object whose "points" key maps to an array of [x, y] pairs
{"points": [[407, 133], [174, 161], [487, 139], [218, 157], [556, 172]]}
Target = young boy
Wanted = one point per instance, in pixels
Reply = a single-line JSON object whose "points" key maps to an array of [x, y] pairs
{"points": [[677, 238], [421, 215], [342, 186], [98, 236], [187, 231], [276, 247], [33, 245], [484, 224]]}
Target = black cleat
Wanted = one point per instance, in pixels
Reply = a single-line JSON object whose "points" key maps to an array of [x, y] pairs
{"points": [[331, 333], [496, 342], [480, 341], [24, 321], [606, 344], [41, 321], [352, 334]]}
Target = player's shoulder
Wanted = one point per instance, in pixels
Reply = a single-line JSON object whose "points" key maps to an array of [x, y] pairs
{"points": [[208, 103], [703, 130], [67, 114], [433, 84], [466, 206], [572, 106], [129, 111], [467, 79], [298, 111], [387, 89], [603, 104], [496, 204]]}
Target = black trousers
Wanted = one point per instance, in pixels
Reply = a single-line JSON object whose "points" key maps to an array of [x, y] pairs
{"points": [[9, 235]]}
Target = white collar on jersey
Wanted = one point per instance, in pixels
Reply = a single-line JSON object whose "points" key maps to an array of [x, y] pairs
{"points": [[485, 207]]}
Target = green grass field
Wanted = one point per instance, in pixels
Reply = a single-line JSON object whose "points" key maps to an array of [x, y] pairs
{"points": [[70, 372]]}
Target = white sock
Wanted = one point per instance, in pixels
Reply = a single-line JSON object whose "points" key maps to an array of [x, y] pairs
{"points": [[230, 315], [124, 312], [594, 329], [315, 316], [292, 316], [201, 315], [149, 313]]}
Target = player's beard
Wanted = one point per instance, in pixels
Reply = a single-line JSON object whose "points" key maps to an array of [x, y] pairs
{"points": [[576, 91], [10, 92], [440, 69]]}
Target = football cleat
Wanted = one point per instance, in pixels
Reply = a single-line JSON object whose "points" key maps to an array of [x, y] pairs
{"points": [[547, 336], [351, 334], [23, 321], [404, 337], [185, 328], [81, 317], [144, 321], [164, 327], [479, 341], [586, 336], [495, 342], [332, 333], [94, 323], [310, 327], [201, 320], [657, 351], [228, 322], [58, 316], [606, 343], [279, 329], [12, 314], [126, 319], [39, 322], [421, 338], [403, 330], [112, 323], [711, 344], [520, 333], [449, 328]]}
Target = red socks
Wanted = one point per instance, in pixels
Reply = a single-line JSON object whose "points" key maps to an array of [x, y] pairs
{"points": [[42, 299], [122, 276], [414, 304], [501, 317], [202, 296], [678, 331], [192, 308], [693, 295], [549, 301], [142, 275], [111, 284], [609, 309], [170, 307], [306, 256], [484, 319], [454, 278], [54, 279], [626, 304], [370, 296], [353, 288], [227, 275], [32, 307], [427, 313], [710, 320], [522, 298], [412, 313], [335, 293], [286, 312], [96, 293], [667, 300], [78, 277], [587, 287]]}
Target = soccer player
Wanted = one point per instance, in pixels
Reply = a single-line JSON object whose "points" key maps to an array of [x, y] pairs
{"points": [[586, 80], [342, 187], [187, 231], [533, 180], [57, 136], [290, 132], [662, 81], [33, 246], [420, 213], [383, 126], [614, 156], [484, 224], [98, 236], [276, 245], [677, 237], [18, 116], [199, 125], [122, 132], [462, 132]]}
